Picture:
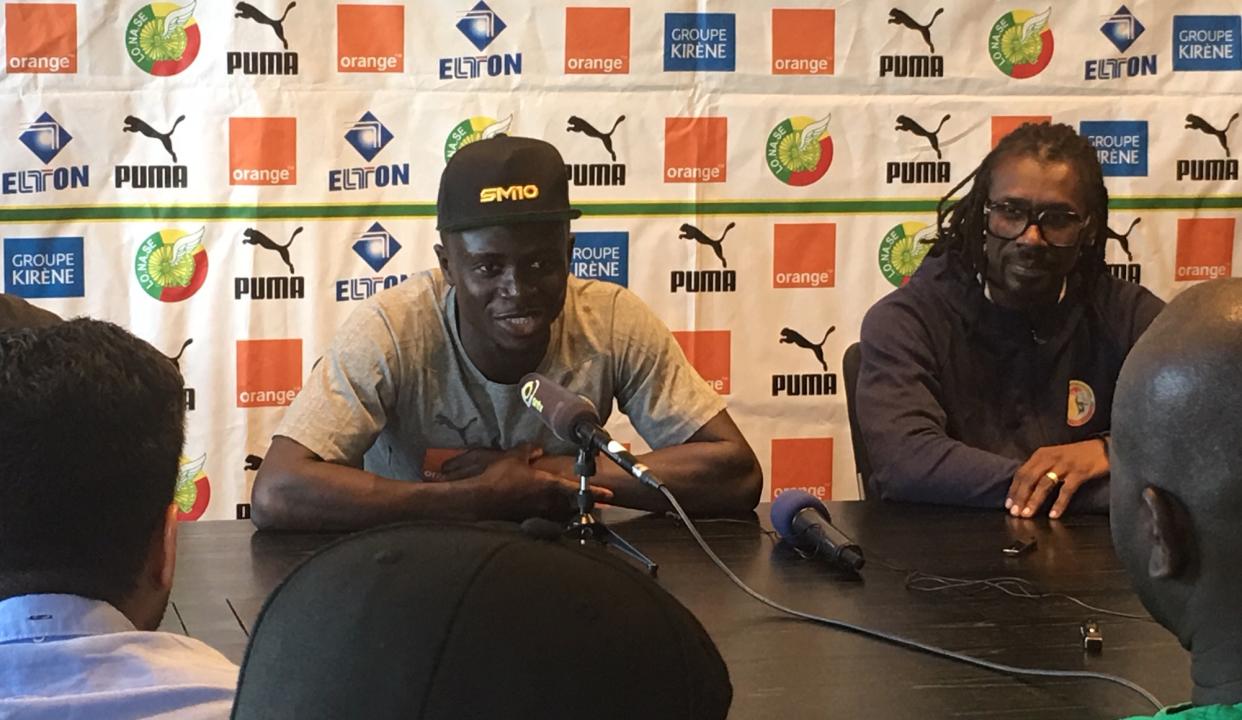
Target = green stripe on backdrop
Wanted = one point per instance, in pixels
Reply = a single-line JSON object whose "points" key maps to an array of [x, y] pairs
{"points": [[108, 213]]}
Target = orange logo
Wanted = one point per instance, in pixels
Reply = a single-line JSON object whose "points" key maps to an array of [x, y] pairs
{"points": [[269, 372], [597, 41], [695, 149], [1002, 125], [709, 352], [803, 41], [802, 464], [434, 459], [370, 38], [1204, 248], [263, 151], [804, 255], [41, 38]]}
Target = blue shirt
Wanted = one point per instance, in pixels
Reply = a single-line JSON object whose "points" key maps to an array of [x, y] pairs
{"points": [[65, 657]]}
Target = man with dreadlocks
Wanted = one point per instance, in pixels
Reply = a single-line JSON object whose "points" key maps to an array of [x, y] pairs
{"points": [[988, 379]]}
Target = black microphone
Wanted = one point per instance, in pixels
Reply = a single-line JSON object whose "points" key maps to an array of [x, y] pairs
{"points": [[802, 521], [574, 419]]}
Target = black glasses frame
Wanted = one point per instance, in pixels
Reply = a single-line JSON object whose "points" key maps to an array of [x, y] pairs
{"points": [[1036, 218]]}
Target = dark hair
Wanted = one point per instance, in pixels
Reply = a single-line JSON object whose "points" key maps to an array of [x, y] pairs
{"points": [[960, 224], [91, 429]]}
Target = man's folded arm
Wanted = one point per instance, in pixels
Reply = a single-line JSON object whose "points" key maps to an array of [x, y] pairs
{"points": [[904, 426]]}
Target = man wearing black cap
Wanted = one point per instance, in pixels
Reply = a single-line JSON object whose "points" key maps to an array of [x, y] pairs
{"points": [[428, 370]]}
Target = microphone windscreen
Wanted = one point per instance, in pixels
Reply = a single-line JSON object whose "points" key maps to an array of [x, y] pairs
{"points": [[561, 409], [788, 504]]}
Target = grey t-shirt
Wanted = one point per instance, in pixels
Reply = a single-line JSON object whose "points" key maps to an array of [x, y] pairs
{"points": [[396, 386]]}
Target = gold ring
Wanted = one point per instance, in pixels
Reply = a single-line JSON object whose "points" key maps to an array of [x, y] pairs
{"points": [[1056, 479]]}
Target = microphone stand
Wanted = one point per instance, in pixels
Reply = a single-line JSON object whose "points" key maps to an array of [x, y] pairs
{"points": [[586, 526]]}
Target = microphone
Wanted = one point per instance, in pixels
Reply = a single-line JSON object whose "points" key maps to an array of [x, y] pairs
{"points": [[802, 521], [574, 419]]}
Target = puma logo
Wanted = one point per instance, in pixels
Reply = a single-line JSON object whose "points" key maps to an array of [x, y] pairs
{"points": [[253, 237], [136, 125], [253, 462], [791, 336], [899, 17], [1124, 238], [1194, 122], [250, 12], [577, 124], [461, 431], [905, 123], [176, 360], [690, 232]]}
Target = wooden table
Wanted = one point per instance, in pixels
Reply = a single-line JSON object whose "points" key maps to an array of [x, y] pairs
{"points": [[784, 668]]}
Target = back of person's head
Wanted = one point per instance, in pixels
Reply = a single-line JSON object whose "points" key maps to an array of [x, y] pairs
{"points": [[1176, 477], [91, 428], [431, 621]]}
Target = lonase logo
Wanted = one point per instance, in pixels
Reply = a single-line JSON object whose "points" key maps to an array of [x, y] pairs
{"points": [[799, 150], [918, 66], [903, 249], [376, 247], [481, 25], [193, 490], [814, 384], [1020, 43], [803, 41], [41, 38], [1121, 28], [802, 464], [472, 130], [45, 138], [597, 40], [370, 38], [163, 38], [152, 176], [171, 265], [368, 136], [263, 63]]}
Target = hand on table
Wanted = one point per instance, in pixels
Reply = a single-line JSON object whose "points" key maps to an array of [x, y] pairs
{"points": [[1070, 466], [512, 488]]}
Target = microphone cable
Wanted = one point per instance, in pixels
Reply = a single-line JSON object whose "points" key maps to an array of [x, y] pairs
{"points": [[898, 640]]}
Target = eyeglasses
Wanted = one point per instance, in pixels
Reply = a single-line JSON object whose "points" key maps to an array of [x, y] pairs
{"points": [[1059, 228]]}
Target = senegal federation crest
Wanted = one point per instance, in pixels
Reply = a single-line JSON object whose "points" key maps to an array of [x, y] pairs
{"points": [[163, 38], [799, 150], [1081, 404], [171, 265]]}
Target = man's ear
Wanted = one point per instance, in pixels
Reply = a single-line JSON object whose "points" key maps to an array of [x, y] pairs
{"points": [[1167, 525], [164, 556], [442, 258]]}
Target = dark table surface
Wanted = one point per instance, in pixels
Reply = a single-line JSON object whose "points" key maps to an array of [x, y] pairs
{"points": [[785, 668]]}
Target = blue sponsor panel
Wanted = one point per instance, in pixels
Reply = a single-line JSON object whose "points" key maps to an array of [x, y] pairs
{"points": [[1207, 43], [602, 256], [48, 267], [700, 42], [1120, 144]]}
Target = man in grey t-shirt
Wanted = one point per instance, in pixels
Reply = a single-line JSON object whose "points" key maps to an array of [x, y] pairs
{"points": [[414, 411]]}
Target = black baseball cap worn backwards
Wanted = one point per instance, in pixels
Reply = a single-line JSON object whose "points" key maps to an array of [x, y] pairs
{"points": [[503, 181]]}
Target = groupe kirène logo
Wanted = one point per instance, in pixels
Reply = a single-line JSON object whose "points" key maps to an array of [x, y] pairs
{"points": [[44, 267], [1120, 144], [1207, 43]]}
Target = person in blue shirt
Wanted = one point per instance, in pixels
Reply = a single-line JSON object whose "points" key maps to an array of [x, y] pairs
{"points": [[91, 429], [988, 379], [1177, 486]]}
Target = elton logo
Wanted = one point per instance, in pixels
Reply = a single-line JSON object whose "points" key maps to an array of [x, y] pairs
{"points": [[263, 151], [802, 464], [597, 40], [709, 351], [803, 41], [370, 38], [695, 149], [41, 38], [269, 372]]}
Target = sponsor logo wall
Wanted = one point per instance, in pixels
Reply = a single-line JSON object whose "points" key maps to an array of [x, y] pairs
{"points": [[230, 180]]}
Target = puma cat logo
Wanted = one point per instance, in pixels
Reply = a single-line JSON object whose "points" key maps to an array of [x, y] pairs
{"points": [[577, 124], [250, 12], [251, 236], [1124, 238], [899, 17], [789, 335], [906, 123], [253, 462], [690, 232], [176, 360], [1194, 122], [461, 431], [136, 125]]}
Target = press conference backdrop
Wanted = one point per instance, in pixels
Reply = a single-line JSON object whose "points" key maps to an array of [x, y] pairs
{"points": [[229, 180]]}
